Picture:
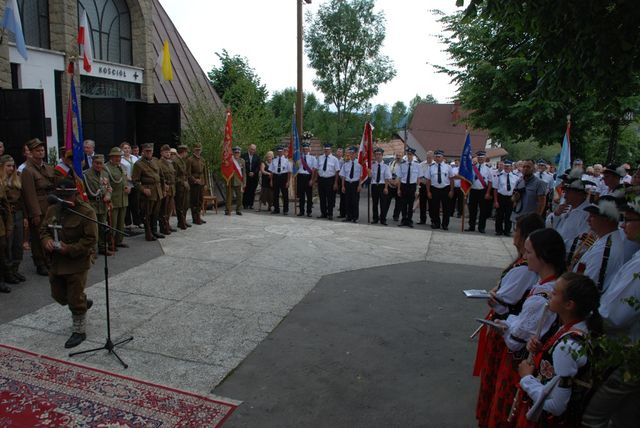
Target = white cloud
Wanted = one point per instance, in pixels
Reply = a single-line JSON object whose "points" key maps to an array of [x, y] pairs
{"points": [[265, 33]]}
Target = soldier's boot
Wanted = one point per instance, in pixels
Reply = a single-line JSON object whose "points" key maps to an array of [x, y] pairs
{"points": [[181, 221], [14, 267], [167, 226], [196, 218], [154, 228], [163, 226], [148, 234], [78, 334], [9, 275]]}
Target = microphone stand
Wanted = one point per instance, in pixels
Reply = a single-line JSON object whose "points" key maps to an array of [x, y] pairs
{"points": [[109, 345]]}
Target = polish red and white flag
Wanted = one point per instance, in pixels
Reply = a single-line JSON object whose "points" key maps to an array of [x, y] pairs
{"points": [[84, 40]]}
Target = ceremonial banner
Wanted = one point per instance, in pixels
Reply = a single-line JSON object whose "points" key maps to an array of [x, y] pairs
{"points": [[294, 145], [74, 137], [84, 40], [365, 153], [11, 22], [229, 166], [466, 166], [564, 162]]}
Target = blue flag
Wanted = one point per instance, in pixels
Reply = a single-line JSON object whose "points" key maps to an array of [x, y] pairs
{"points": [[11, 21], [296, 146], [466, 166], [78, 149]]}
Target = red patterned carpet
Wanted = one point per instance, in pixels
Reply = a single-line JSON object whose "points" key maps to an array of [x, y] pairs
{"points": [[39, 391]]}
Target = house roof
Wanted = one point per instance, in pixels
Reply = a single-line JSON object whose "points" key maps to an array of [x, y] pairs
{"points": [[189, 78], [435, 126]]}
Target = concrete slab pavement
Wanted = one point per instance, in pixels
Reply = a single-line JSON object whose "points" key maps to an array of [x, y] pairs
{"points": [[220, 289]]}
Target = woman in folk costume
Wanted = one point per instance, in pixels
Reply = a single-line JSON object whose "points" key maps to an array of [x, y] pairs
{"points": [[545, 254], [552, 397], [505, 299]]}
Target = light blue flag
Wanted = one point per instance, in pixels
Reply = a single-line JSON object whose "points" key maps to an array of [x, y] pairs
{"points": [[565, 156], [11, 21]]}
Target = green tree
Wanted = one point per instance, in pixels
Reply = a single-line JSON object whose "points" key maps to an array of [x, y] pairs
{"points": [[398, 115], [343, 43], [523, 66], [382, 123], [243, 93]]}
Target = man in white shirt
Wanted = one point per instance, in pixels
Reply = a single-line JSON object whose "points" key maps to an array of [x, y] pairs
{"points": [[458, 195], [503, 186], [341, 207], [380, 176], [422, 189], [89, 152], [409, 175], [305, 180], [439, 191], [611, 179], [605, 257], [394, 185], [281, 170], [569, 218], [480, 195], [548, 180], [132, 216], [351, 174], [327, 173], [616, 400]]}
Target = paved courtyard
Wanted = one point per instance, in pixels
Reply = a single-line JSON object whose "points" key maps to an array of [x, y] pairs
{"points": [[214, 293]]}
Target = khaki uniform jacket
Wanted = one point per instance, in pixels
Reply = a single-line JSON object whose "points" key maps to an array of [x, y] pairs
{"points": [[180, 167], [97, 188], [195, 169], [37, 183], [235, 181], [117, 181], [148, 175], [78, 233], [169, 176], [6, 218]]}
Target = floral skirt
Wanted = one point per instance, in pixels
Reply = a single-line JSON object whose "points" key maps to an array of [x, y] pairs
{"points": [[488, 365], [506, 385]]}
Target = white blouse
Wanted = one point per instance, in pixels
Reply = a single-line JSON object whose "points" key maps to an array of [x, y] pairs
{"points": [[513, 285]]}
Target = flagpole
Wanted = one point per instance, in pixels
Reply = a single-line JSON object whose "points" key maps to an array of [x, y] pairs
{"points": [[464, 202]]}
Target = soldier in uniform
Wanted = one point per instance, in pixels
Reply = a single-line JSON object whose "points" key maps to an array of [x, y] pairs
{"points": [[167, 204], [37, 182], [147, 178], [236, 185], [70, 255], [96, 184], [6, 226], [119, 195], [182, 186], [196, 174]]}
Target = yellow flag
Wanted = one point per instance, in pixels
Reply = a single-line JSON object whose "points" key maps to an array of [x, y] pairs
{"points": [[167, 71]]}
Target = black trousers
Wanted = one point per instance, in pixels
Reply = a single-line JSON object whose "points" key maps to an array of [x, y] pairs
{"points": [[250, 191], [397, 207], [279, 187], [342, 208], [408, 192], [380, 202], [132, 216], [424, 203], [327, 195], [503, 214], [479, 205], [351, 200], [304, 192], [440, 201], [455, 206]]}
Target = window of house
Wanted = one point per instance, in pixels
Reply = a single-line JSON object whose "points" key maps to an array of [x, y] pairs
{"points": [[34, 16], [110, 24]]}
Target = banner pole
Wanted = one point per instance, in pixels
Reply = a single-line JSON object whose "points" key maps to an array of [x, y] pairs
{"points": [[464, 203]]}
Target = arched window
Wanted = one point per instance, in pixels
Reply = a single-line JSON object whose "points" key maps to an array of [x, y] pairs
{"points": [[110, 24], [35, 22]]}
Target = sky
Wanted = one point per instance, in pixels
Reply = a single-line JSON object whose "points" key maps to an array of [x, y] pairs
{"points": [[265, 33]]}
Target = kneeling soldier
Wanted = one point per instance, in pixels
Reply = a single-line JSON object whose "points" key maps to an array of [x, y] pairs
{"points": [[69, 240]]}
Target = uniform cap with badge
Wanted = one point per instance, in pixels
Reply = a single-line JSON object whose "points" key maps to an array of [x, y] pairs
{"points": [[115, 151]]}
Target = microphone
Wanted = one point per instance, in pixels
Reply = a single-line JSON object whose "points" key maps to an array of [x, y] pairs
{"points": [[53, 199]]}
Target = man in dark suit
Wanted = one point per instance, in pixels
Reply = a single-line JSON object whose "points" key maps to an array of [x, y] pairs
{"points": [[252, 162]]}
